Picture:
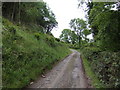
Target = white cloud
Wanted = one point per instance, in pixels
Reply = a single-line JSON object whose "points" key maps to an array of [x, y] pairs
{"points": [[64, 10]]}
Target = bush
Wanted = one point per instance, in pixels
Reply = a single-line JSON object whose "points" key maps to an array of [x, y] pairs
{"points": [[57, 39], [37, 35], [51, 41], [105, 64]]}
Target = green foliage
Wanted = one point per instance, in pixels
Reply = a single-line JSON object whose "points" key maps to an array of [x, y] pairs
{"points": [[57, 39], [65, 36], [92, 76], [30, 13], [68, 36], [105, 65], [105, 25], [80, 28], [37, 35], [104, 51], [78, 25], [26, 55], [86, 32], [73, 37]]}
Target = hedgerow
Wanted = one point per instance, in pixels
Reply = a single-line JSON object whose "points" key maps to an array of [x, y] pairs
{"points": [[105, 64]]}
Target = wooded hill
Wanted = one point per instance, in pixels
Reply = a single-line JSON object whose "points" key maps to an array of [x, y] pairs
{"points": [[29, 48]]}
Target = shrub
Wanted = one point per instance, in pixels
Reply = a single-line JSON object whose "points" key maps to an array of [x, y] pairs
{"points": [[105, 64], [57, 39], [37, 35]]}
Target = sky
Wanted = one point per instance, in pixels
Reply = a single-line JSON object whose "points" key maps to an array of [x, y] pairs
{"points": [[65, 10]]}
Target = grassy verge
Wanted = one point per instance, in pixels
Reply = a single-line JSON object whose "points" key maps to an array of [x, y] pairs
{"points": [[105, 65], [93, 78]]}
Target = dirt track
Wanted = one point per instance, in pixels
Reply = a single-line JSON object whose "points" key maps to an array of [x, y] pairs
{"points": [[69, 73]]}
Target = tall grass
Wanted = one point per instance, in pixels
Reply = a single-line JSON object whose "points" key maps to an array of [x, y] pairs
{"points": [[26, 55]]}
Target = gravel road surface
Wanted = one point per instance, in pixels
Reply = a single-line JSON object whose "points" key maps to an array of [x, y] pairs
{"points": [[68, 73]]}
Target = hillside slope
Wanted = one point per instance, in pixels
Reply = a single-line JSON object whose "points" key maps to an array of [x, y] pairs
{"points": [[27, 54]]}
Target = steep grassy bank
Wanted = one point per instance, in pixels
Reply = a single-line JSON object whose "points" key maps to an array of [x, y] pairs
{"points": [[104, 64], [27, 54]]}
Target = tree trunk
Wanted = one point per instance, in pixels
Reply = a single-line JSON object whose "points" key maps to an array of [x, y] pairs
{"points": [[13, 12], [19, 13], [78, 39]]}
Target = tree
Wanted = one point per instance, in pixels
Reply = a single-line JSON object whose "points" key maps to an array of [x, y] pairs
{"points": [[65, 36], [85, 33], [78, 25], [30, 13], [68, 36], [105, 24], [73, 37]]}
